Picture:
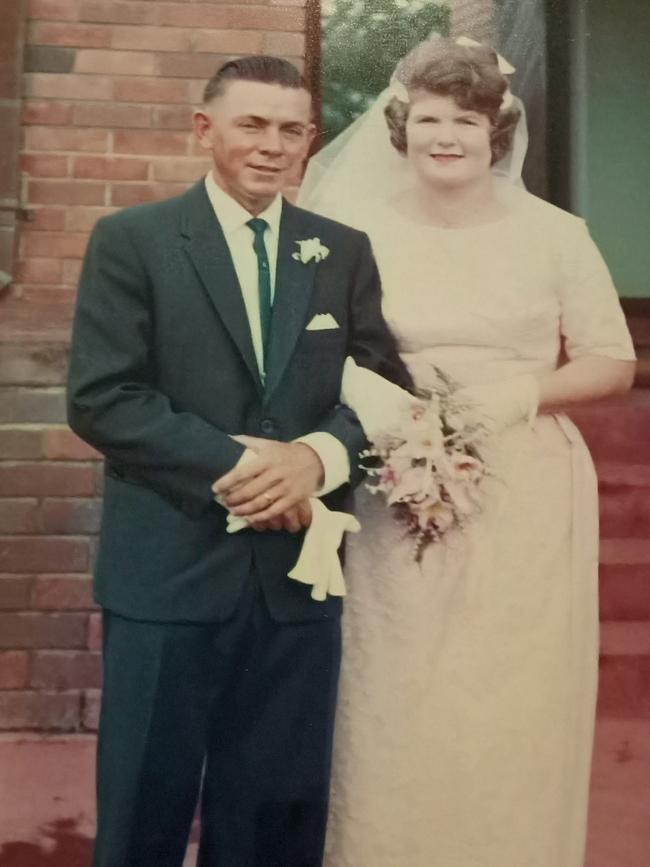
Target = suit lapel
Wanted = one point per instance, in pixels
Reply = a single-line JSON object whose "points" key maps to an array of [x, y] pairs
{"points": [[294, 283], [207, 248]]}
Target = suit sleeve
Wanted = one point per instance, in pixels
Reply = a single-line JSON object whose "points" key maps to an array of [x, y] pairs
{"points": [[372, 345], [113, 402]]}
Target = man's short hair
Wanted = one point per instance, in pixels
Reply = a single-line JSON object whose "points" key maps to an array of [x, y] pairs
{"points": [[254, 67]]}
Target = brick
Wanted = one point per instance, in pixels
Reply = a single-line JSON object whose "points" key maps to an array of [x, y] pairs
{"points": [[284, 44], [66, 193], [42, 363], [624, 592], [155, 143], [625, 639], [52, 10], [66, 86], [125, 195], [112, 115], [42, 630], [99, 480], [40, 711], [172, 117], [185, 170], [41, 479], [47, 219], [72, 34], [60, 443], [95, 631], [46, 298], [48, 58], [624, 687], [19, 516], [66, 139], [195, 15], [113, 168], [94, 60], [190, 65], [44, 165], [70, 516], [617, 429], [15, 592], [22, 554], [46, 112], [14, 669], [83, 218], [63, 593], [91, 706], [38, 271], [265, 18], [20, 443], [113, 12], [153, 38], [66, 669], [32, 405], [148, 90], [71, 272], [228, 41], [66, 245]]}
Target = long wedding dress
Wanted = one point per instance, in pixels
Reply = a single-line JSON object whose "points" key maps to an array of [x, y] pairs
{"points": [[466, 703]]}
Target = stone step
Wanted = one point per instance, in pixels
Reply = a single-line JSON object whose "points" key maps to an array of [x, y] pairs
{"points": [[624, 592], [616, 430], [624, 511], [624, 680]]}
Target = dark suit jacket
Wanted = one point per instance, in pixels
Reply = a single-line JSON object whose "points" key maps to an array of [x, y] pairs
{"points": [[163, 370]]}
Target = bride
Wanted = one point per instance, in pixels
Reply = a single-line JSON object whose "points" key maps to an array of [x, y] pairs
{"points": [[466, 702]]}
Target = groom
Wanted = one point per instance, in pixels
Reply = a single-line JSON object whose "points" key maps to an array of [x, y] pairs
{"points": [[223, 312]]}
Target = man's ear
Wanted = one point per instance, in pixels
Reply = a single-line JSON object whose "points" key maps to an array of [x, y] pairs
{"points": [[310, 134], [202, 126]]}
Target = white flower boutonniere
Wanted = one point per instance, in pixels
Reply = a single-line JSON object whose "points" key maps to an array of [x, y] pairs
{"points": [[310, 249]]}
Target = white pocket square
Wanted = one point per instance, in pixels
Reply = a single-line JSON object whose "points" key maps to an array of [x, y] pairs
{"points": [[322, 322]]}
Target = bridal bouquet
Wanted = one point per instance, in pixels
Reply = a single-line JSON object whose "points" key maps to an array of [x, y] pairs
{"points": [[424, 456]]}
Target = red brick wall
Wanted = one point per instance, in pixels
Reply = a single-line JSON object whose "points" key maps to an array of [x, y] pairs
{"points": [[108, 91]]}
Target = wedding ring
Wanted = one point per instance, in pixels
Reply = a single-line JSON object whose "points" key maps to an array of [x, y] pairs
{"points": [[268, 498]]}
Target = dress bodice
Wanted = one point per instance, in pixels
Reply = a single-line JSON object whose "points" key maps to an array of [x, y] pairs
{"points": [[496, 300]]}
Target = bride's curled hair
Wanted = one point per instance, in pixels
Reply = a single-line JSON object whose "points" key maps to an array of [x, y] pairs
{"points": [[469, 74]]}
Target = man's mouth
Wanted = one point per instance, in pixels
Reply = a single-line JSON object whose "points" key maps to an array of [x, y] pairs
{"points": [[266, 170]]}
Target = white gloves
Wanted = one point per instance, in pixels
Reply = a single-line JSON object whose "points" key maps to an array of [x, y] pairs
{"points": [[377, 402], [501, 404]]}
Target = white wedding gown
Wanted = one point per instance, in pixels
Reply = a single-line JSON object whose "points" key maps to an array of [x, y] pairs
{"points": [[466, 703]]}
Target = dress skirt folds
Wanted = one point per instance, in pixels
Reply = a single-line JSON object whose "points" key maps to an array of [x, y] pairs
{"points": [[467, 695]]}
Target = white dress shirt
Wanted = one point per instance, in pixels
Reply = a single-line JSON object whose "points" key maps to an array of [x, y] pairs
{"points": [[239, 238]]}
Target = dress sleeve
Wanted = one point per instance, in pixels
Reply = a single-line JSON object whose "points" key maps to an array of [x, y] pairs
{"points": [[592, 321]]}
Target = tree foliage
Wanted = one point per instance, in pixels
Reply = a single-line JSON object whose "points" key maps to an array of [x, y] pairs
{"points": [[362, 42]]}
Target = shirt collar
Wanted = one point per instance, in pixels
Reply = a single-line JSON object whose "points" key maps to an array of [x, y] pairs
{"points": [[232, 215]]}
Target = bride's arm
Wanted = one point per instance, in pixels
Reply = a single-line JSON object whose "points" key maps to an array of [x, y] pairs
{"points": [[584, 379]]}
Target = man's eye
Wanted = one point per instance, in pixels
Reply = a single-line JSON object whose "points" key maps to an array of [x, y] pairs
{"points": [[468, 121]]}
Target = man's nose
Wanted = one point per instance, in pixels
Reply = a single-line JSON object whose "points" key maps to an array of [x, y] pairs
{"points": [[271, 141]]}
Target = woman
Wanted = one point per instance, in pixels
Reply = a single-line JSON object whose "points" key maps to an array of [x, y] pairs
{"points": [[466, 703]]}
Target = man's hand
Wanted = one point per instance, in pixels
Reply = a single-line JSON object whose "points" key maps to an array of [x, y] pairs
{"points": [[294, 519], [268, 486]]}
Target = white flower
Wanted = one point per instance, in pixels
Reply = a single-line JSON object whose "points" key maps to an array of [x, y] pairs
{"points": [[311, 248]]}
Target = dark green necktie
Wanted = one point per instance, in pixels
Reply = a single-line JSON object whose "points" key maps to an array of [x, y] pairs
{"points": [[263, 277]]}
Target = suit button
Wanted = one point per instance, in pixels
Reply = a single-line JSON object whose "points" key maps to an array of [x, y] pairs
{"points": [[268, 426]]}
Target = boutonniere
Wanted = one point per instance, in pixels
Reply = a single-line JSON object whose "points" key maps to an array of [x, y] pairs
{"points": [[310, 249]]}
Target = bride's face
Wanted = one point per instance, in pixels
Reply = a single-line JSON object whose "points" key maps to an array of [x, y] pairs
{"points": [[446, 144]]}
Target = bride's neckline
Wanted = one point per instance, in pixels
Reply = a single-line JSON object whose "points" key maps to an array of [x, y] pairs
{"points": [[406, 208]]}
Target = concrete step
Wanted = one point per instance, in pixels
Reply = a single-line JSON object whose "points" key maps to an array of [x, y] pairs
{"points": [[617, 429], [624, 592], [624, 683]]}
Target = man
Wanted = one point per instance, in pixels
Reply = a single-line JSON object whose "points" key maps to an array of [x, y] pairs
{"points": [[198, 322]]}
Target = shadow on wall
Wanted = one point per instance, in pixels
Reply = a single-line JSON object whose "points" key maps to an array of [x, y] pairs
{"points": [[62, 846]]}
